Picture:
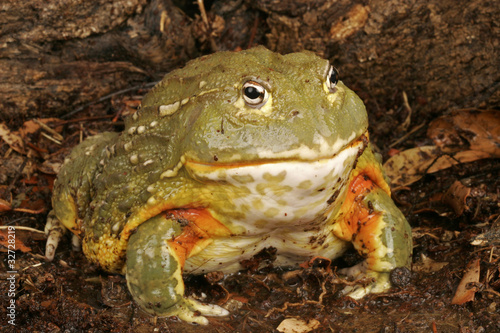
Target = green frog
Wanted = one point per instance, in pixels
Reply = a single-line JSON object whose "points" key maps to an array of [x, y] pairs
{"points": [[234, 153]]}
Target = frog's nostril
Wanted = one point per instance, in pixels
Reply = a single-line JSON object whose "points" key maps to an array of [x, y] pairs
{"points": [[294, 114]]}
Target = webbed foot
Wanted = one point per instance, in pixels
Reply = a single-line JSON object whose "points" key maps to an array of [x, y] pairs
{"points": [[380, 284], [193, 311]]}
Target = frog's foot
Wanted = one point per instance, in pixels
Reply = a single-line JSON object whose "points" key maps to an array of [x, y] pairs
{"points": [[193, 311], [154, 272], [54, 231], [360, 271], [186, 309]]}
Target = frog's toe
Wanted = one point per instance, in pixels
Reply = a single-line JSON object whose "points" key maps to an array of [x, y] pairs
{"points": [[195, 312], [54, 231], [360, 291], [191, 317], [355, 270], [211, 310], [380, 284]]}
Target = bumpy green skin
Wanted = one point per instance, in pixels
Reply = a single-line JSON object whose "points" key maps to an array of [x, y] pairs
{"points": [[145, 247], [396, 235], [210, 126], [154, 276], [195, 143], [73, 189]]}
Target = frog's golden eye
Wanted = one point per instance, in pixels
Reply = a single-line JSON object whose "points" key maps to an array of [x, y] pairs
{"points": [[332, 78], [254, 94]]}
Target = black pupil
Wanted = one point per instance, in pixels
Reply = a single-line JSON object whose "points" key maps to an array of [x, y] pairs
{"points": [[333, 77], [252, 92]]}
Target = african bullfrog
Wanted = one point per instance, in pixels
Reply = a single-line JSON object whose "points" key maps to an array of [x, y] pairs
{"points": [[234, 153]]}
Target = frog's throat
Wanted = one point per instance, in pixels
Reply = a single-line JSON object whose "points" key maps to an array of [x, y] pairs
{"points": [[279, 194], [241, 170]]}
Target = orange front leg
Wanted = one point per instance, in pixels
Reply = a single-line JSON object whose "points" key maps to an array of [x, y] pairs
{"points": [[377, 229]]}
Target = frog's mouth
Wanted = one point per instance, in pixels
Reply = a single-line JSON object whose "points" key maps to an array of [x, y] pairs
{"points": [[279, 193], [289, 170]]}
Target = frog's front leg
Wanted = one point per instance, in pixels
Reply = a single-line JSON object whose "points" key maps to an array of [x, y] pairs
{"points": [[378, 231], [156, 254]]}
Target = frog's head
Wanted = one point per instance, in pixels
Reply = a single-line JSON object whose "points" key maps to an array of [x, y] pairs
{"points": [[257, 107]]}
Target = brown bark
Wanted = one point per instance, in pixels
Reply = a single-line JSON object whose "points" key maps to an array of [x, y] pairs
{"points": [[58, 55], [62, 54]]}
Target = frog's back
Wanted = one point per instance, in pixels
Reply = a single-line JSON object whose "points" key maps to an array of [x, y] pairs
{"points": [[73, 189]]}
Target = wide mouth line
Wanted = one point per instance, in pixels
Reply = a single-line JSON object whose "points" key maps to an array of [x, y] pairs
{"points": [[362, 139]]}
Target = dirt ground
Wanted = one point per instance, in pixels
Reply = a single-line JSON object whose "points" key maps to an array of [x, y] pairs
{"points": [[427, 72]]}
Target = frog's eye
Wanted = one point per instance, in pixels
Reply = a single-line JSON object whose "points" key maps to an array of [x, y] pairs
{"points": [[332, 78], [254, 94]]}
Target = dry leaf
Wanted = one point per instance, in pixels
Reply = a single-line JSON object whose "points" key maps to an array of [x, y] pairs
{"points": [[33, 126], [456, 197], [5, 205], [37, 206], [294, 325], [467, 130], [19, 245], [410, 165], [12, 138], [465, 136], [446, 161], [464, 294]]}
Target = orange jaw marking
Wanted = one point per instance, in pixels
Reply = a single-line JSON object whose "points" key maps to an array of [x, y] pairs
{"points": [[200, 226]]}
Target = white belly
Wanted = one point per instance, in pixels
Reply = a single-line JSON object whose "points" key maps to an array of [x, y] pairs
{"points": [[225, 254]]}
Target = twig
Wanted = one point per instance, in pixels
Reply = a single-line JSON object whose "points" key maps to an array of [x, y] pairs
{"points": [[489, 275], [204, 17], [3, 227], [254, 30], [203, 13], [103, 98], [32, 266], [30, 211], [56, 135], [491, 291], [287, 304], [77, 120], [45, 135], [404, 137], [407, 121]]}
